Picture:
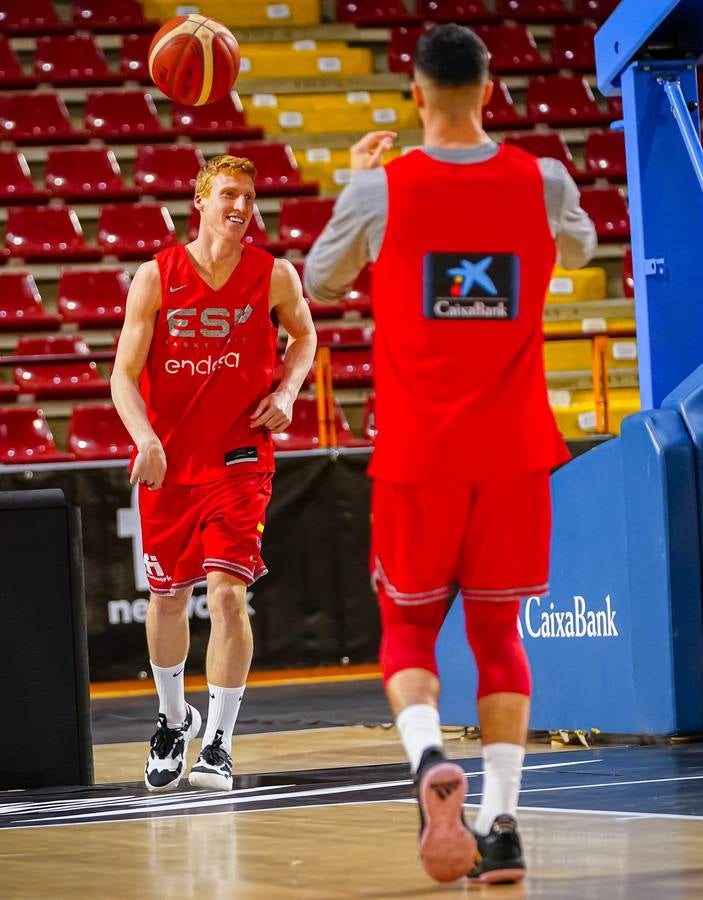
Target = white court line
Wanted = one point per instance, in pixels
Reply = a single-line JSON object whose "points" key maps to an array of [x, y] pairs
{"points": [[610, 784]]}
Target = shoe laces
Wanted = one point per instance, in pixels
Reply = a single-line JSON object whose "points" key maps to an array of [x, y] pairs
{"points": [[504, 824], [215, 754], [167, 741]]}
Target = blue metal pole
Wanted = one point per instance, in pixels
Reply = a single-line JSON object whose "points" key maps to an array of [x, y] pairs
{"points": [[691, 139]]}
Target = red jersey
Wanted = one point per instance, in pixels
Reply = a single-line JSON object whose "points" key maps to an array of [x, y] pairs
{"points": [[210, 363], [458, 292]]}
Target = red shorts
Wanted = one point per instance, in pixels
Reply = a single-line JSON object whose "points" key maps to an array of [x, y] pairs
{"points": [[190, 530], [490, 539]]}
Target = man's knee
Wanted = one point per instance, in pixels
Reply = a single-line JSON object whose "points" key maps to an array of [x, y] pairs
{"points": [[501, 661], [170, 606], [409, 635], [227, 599]]}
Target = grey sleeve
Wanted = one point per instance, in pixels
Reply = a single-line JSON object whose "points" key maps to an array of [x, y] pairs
{"points": [[574, 231], [351, 238]]}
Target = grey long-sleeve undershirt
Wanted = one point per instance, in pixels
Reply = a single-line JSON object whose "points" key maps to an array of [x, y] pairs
{"points": [[354, 235]]}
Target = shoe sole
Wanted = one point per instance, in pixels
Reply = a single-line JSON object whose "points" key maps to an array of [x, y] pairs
{"points": [[210, 780], [447, 847], [192, 733], [499, 876]]}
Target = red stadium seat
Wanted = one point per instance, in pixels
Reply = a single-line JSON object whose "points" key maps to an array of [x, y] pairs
{"points": [[562, 100], [605, 155], [25, 437], [454, 11], [608, 210], [359, 336], [358, 300], [72, 59], [21, 308], [549, 144], [302, 221], [223, 119], [19, 17], [372, 13], [135, 230], [401, 47], [97, 432], [512, 49], [167, 171], [534, 10], [134, 57], [43, 233], [615, 108], [93, 298], [108, 16], [59, 379], [11, 72], [8, 393], [500, 113], [88, 174], [124, 117], [303, 431], [36, 118], [628, 280], [277, 171], [594, 9], [16, 185], [352, 368], [572, 47]]}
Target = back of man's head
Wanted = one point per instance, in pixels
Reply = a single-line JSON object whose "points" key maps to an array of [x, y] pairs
{"points": [[451, 56]]}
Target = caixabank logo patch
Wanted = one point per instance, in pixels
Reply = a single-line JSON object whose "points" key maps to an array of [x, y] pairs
{"points": [[471, 286]]}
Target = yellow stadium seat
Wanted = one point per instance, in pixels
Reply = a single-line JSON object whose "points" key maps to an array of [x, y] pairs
{"points": [[355, 111], [576, 415], [577, 285], [329, 166], [304, 59], [568, 356], [241, 13]]}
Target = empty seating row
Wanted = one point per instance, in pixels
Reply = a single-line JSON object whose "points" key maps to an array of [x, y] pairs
{"points": [[26, 17], [138, 230], [93, 175], [558, 100], [78, 59], [95, 432], [238, 14], [513, 49], [604, 154], [388, 13], [117, 116]]}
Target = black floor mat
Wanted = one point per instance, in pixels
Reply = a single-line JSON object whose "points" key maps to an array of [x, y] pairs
{"points": [[274, 708]]}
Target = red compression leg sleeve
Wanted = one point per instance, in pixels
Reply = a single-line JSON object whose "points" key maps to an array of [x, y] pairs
{"points": [[491, 628], [409, 634]]}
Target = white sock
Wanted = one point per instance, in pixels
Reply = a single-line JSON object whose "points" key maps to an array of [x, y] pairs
{"points": [[419, 730], [222, 713], [171, 691], [502, 773]]}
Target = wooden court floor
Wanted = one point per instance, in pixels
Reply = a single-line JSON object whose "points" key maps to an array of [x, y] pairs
{"points": [[324, 815]]}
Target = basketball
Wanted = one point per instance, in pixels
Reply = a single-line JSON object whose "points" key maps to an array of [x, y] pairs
{"points": [[194, 60]]}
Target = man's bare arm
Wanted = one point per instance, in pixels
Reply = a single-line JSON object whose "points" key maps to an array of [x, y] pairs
{"points": [[143, 303], [275, 412]]}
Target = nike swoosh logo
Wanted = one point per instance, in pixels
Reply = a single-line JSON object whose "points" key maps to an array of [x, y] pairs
{"points": [[176, 674], [172, 290]]}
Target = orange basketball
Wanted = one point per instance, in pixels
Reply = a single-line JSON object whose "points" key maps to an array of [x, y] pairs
{"points": [[194, 60]]}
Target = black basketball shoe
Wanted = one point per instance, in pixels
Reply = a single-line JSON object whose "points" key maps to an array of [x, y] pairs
{"points": [[213, 768], [447, 847], [166, 759], [499, 859]]}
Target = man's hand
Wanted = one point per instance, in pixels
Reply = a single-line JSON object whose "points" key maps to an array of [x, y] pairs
{"points": [[275, 412], [367, 153], [150, 465]]}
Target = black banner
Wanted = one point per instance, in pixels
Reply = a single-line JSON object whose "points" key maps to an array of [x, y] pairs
{"points": [[315, 607]]}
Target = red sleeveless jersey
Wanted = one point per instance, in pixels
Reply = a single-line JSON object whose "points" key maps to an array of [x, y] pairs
{"points": [[458, 293], [210, 363]]}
